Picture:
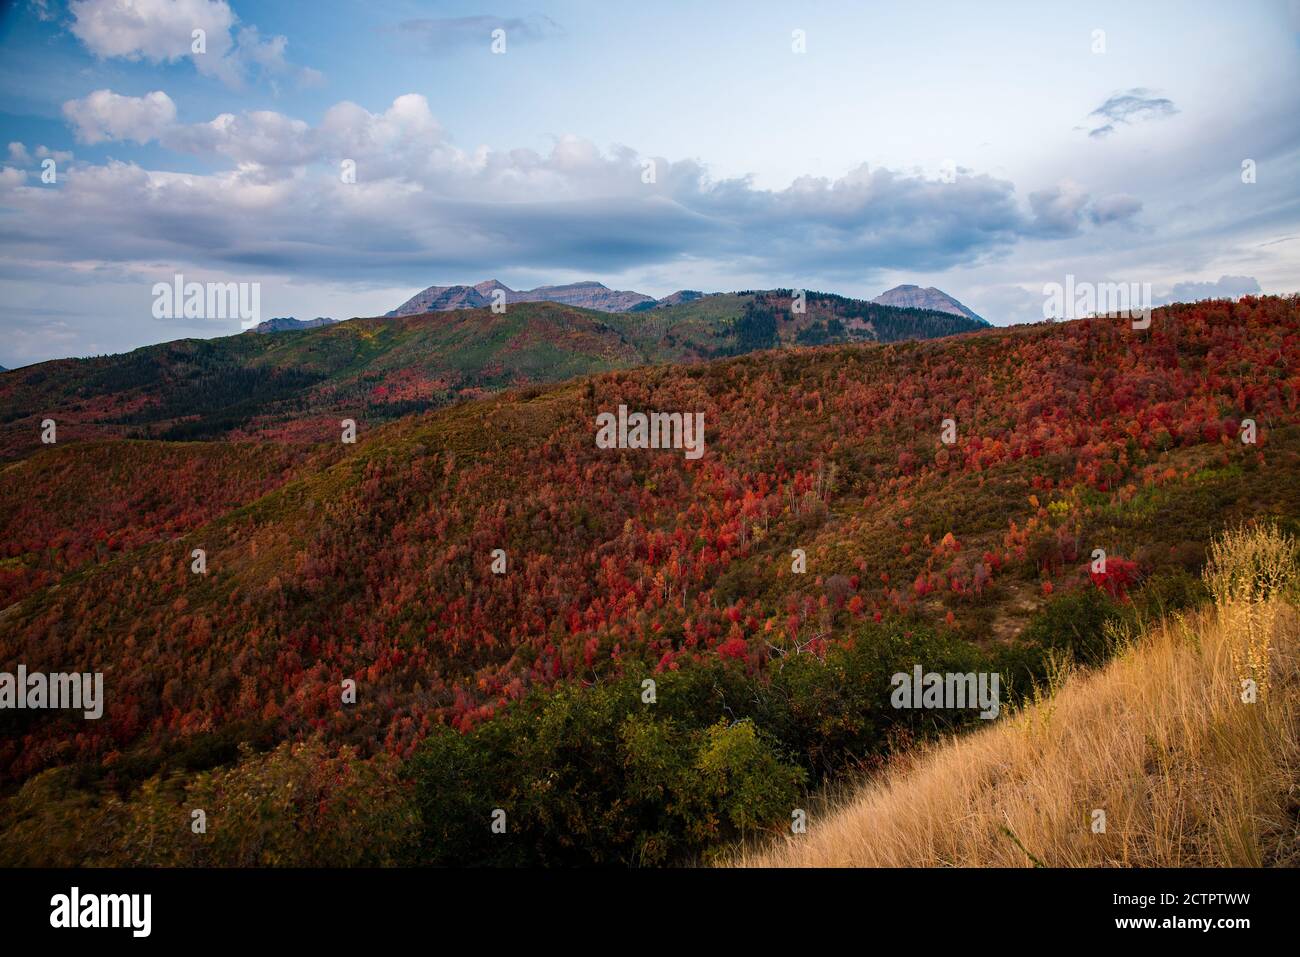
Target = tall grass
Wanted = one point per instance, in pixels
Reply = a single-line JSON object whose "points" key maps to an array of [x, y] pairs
{"points": [[1162, 739]]}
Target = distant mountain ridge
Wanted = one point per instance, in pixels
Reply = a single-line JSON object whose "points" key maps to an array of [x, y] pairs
{"points": [[587, 295], [289, 323], [598, 296], [296, 386], [909, 296]]}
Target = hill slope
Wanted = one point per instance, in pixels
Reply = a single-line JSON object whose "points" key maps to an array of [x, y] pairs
{"points": [[1160, 741], [298, 385], [374, 561]]}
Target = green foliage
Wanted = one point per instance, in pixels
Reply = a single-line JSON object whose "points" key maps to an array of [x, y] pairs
{"points": [[756, 328], [300, 805], [594, 775], [1076, 622]]}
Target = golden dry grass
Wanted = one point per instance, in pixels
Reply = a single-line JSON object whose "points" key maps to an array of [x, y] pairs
{"points": [[1187, 773]]}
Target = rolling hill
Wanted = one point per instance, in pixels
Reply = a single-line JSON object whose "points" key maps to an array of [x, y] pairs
{"points": [[297, 385], [522, 686]]}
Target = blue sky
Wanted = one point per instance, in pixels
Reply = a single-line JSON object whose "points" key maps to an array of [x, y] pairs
{"points": [[983, 151]]}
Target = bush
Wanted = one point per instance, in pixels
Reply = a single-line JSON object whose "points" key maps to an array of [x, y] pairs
{"points": [[1076, 622], [595, 775], [300, 805]]}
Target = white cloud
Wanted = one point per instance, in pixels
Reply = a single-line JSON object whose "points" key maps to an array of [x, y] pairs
{"points": [[105, 115], [162, 31], [158, 30]]}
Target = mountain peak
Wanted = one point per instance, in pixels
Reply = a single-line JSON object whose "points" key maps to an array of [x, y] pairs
{"points": [[289, 323], [588, 294], [912, 296]]}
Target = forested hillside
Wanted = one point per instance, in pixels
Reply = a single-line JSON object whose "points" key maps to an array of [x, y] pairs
{"points": [[522, 688], [296, 385]]}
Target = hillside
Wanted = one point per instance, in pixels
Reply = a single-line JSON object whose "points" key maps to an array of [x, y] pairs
{"points": [[298, 385], [373, 562], [1186, 773]]}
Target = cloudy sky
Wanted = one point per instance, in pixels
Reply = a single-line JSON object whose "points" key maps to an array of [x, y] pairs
{"points": [[844, 147]]}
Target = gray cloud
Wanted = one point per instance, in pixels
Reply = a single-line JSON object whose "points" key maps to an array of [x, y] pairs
{"points": [[1225, 287], [1130, 106], [421, 205], [1114, 209]]}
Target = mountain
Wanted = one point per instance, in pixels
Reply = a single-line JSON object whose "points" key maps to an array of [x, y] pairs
{"points": [[297, 384], [673, 299], [586, 295], [441, 299], [914, 297], [521, 687], [289, 324]]}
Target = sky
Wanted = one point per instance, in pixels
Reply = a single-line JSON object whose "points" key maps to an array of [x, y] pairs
{"points": [[342, 155]]}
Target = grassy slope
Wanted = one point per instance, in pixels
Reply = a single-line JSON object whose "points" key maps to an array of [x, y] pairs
{"points": [[1188, 774]]}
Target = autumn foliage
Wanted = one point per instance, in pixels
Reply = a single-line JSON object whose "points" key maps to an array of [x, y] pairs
{"points": [[373, 562]]}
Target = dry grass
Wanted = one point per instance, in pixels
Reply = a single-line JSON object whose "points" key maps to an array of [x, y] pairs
{"points": [[1187, 773]]}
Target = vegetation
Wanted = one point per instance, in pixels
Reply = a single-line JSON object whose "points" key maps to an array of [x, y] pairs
{"points": [[475, 691], [1166, 741], [297, 385]]}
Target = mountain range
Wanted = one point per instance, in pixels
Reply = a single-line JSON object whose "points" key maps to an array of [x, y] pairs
{"points": [[587, 295], [598, 296]]}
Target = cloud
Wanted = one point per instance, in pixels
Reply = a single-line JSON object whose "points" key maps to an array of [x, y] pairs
{"points": [[163, 31], [451, 33], [20, 156], [420, 203], [1226, 287], [158, 30], [260, 138], [1114, 209], [1060, 212], [105, 115], [1130, 106]]}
